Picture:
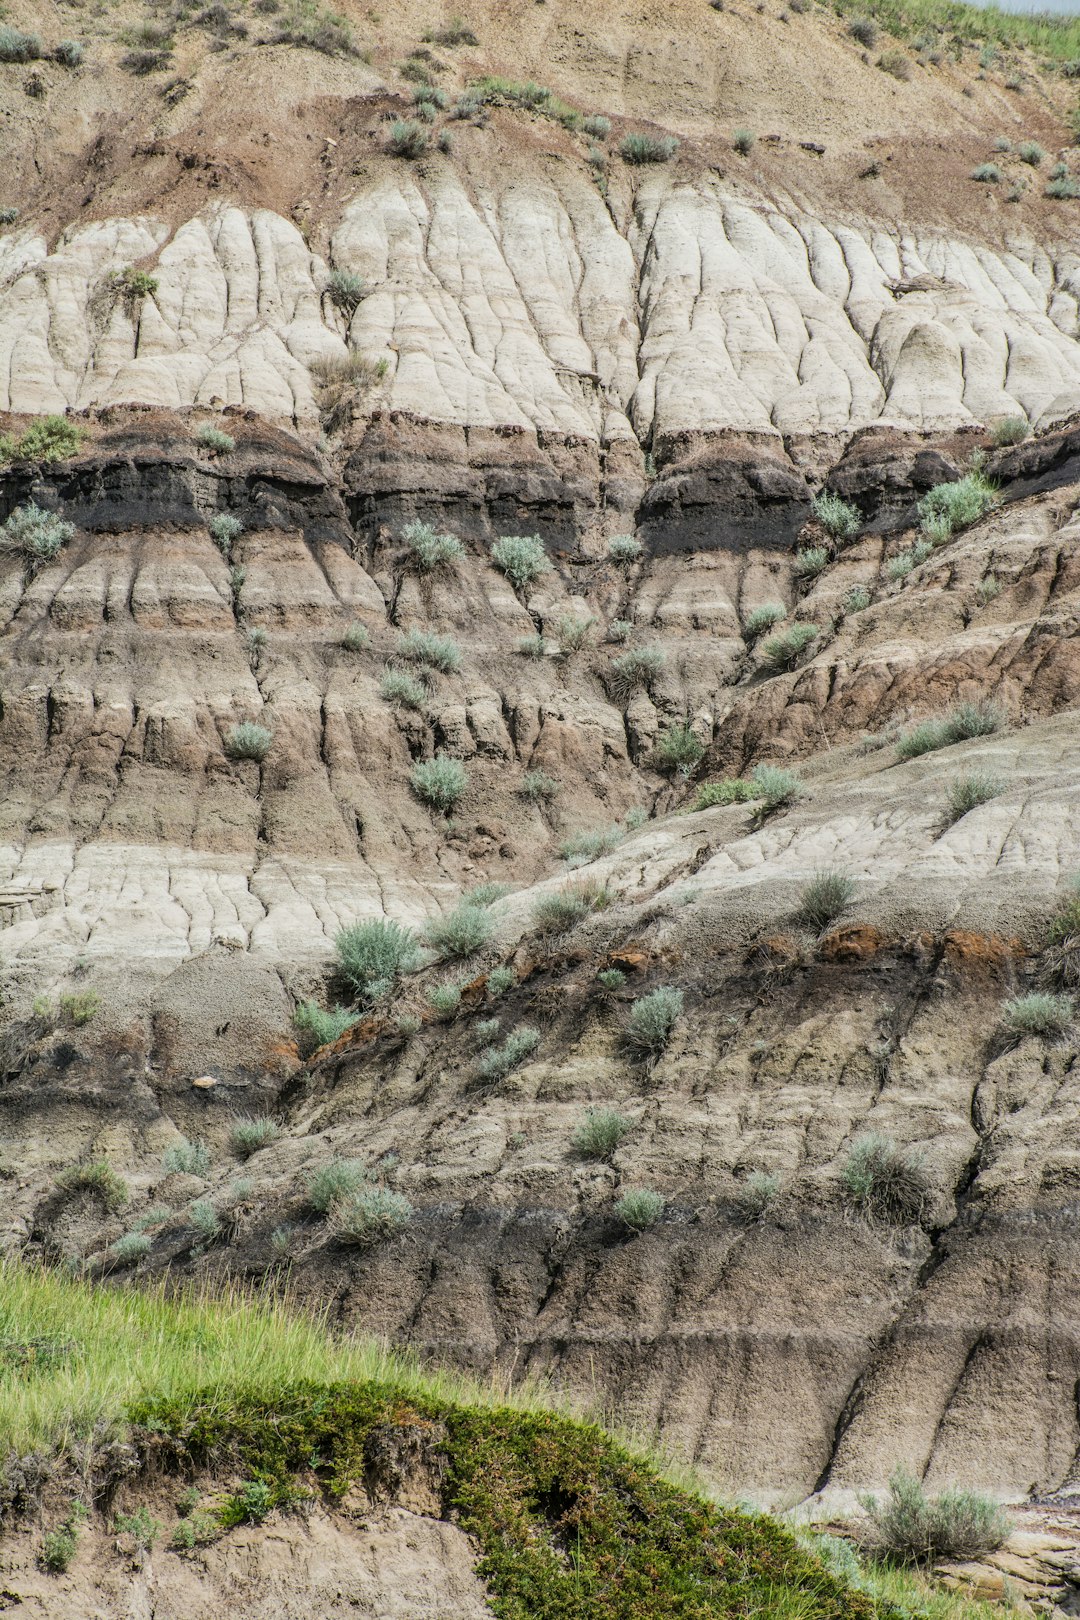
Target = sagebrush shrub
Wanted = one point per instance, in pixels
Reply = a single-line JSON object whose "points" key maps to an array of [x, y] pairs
{"points": [[572, 631], [762, 618], [205, 1219], [558, 913], [500, 980], [901, 566], [744, 141], [837, 517], [652, 1020], [640, 1208], [884, 1180], [582, 847], [431, 651], [356, 637], [639, 147], [408, 138], [967, 720], [323, 1027], [439, 782], [398, 686], [369, 1216], [345, 290], [250, 1135], [371, 955], [496, 1062], [130, 1249], [624, 548], [521, 557], [429, 550], [968, 792], [225, 529], [809, 561], [775, 787], [634, 670], [248, 740], [825, 897], [783, 652], [15, 46], [1041, 1014], [1010, 430], [756, 1196], [333, 1181], [486, 894], [913, 1528], [1030, 152], [50, 438], [1063, 188], [732, 790], [600, 1132], [214, 438], [677, 748], [35, 534], [865, 30], [856, 599], [445, 999], [532, 646], [461, 932], [988, 173], [186, 1158], [538, 786], [896, 64], [961, 503]]}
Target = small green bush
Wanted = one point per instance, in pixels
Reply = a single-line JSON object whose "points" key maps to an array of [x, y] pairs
{"points": [[775, 787], [597, 126], [987, 589], [140, 1525], [369, 1216], [912, 1528], [357, 637], [486, 894], [837, 517], [461, 932], [521, 557], [205, 1219], [856, 599], [496, 1062], [345, 290], [638, 148], [429, 550], [572, 631], [962, 502], [371, 955], [100, 1180], [756, 1196], [398, 686], [8, 215], [439, 782], [130, 1249], [69, 53], [79, 1007], [581, 848], [224, 531], [600, 1132], [896, 64], [1063, 189], [611, 979], [59, 1546], [988, 173], [732, 790], [1010, 430], [322, 1027], [809, 561], [864, 29], [250, 1135], [186, 1158], [500, 980], [558, 913], [652, 1021], [1040, 1014], [50, 438], [15, 46], [445, 999], [967, 720], [249, 1505], [677, 748], [884, 1180], [430, 95], [968, 792], [135, 284], [304, 23], [1030, 152], [431, 651], [538, 787], [332, 1182], [783, 652], [213, 438], [248, 741], [901, 566], [762, 618], [532, 647], [408, 138], [640, 1209], [624, 548], [744, 141], [619, 630], [35, 534], [635, 670], [825, 897]]}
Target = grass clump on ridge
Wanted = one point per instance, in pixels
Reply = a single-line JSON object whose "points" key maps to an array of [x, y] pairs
{"points": [[251, 1382], [967, 720], [885, 1181]]}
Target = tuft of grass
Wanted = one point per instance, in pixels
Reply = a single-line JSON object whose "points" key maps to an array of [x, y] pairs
{"points": [[461, 932], [901, 566], [186, 1158], [635, 670], [581, 848], [960, 503], [678, 749], [321, 1027], [35, 534], [1030, 152], [1010, 430], [307, 24], [572, 631], [430, 651], [339, 1179], [652, 1021], [913, 1528], [782, 652], [398, 686], [897, 64], [248, 741], [130, 1249], [15, 46], [825, 897], [988, 173], [967, 720], [968, 792], [865, 30], [408, 138], [532, 647], [885, 1181], [856, 599], [639, 147], [624, 548], [763, 618], [809, 561], [500, 980], [429, 550], [538, 787], [600, 1133], [640, 1209], [99, 1180], [732, 790], [558, 913], [744, 141], [369, 1216], [205, 1220], [486, 894], [439, 782], [775, 787], [345, 291], [50, 438], [756, 1196], [1041, 1014], [521, 557], [214, 438], [250, 1135], [837, 517], [356, 637], [372, 955], [496, 1062]]}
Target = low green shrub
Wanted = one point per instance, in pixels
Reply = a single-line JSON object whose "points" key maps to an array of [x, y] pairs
{"points": [[15, 46], [558, 913], [136, 284], [619, 630], [961, 503], [837, 517], [1030, 152], [582, 847], [521, 557], [856, 599], [306, 24], [1064, 188], [439, 782], [431, 651], [461, 932], [538, 787], [900, 566], [186, 1158], [205, 1219], [369, 1216], [825, 897], [248, 741], [600, 1133], [251, 1135], [429, 550], [611, 979], [100, 1180], [652, 1021], [532, 647], [988, 173], [59, 1546], [356, 637], [80, 1007], [1041, 1014], [398, 686], [372, 955], [486, 894], [635, 670], [912, 1528], [744, 141], [35, 534], [251, 1504], [865, 30], [762, 618], [639, 147], [732, 790], [809, 561], [885, 1181], [896, 64], [332, 1182], [214, 438], [50, 438], [782, 652], [968, 792], [756, 1196], [345, 290], [624, 548], [225, 530], [322, 1027], [572, 631], [967, 720], [130, 1249], [640, 1209], [597, 126], [408, 138], [677, 748], [1010, 430], [987, 589], [496, 1062], [500, 980], [775, 787], [8, 215]]}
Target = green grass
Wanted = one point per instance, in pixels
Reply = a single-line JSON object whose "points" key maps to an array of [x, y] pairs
{"points": [[1053, 37]]}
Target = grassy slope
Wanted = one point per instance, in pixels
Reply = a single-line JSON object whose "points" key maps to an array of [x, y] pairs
{"points": [[569, 1523], [1055, 37]]}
